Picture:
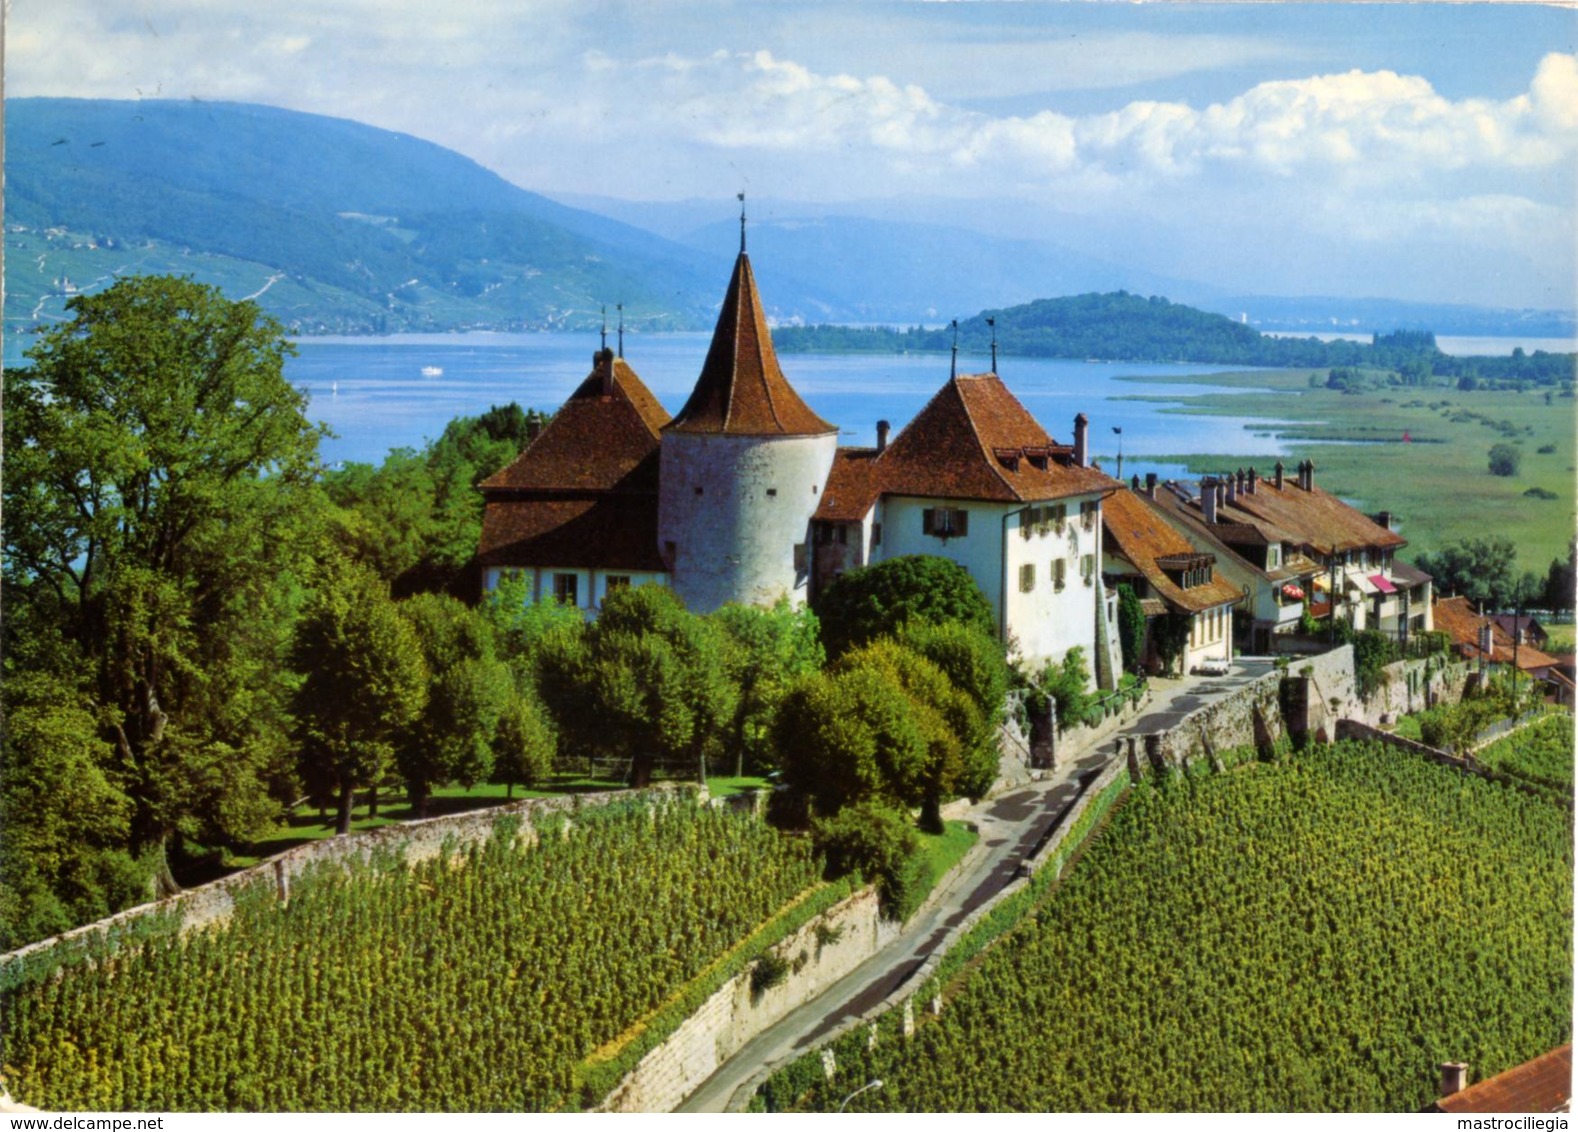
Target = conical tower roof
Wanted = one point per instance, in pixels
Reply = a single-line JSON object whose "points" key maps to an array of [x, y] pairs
{"points": [[741, 391]]}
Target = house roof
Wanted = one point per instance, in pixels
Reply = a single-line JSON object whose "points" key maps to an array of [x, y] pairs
{"points": [[1509, 622], [584, 493], [741, 390], [1312, 517], [974, 440], [1456, 617], [1140, 533], [604, 438], [852, 486], [1407, 573], [1181, 506], [604, 530], [1541, 1085]]}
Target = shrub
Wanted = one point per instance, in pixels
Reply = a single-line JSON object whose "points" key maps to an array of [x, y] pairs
{"points": [[1504, 460], [864, 604], [880, 843]]}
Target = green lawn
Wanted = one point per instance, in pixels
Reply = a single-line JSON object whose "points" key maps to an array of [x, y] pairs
{"points": [[941, 851], [1439, 485], [721, 786], [1560, 638]]}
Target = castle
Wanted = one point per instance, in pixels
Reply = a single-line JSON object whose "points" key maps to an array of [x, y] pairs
{"points": [[745, 496]]}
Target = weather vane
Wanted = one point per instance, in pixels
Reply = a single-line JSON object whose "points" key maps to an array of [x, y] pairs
{"points": [[741, 197], [953, 366]]}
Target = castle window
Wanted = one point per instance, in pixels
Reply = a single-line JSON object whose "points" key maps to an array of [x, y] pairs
{"points": [[772, 492], [565, 590], [618, 582], [876, 535], [843, 535], [1087, 569], [1059, 573], [1027, 577], [945, 522], [1087, 515], [670, 552], [698, 489]]}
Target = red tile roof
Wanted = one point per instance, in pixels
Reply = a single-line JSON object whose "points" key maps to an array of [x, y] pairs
{"points": [[603, 530], [1312, 517], [974, 440], [1457, 617], [584, 493], [1137, 531], [852, 486], [741, 390], [605, 436], [1541, 1085], [1179, 505]]}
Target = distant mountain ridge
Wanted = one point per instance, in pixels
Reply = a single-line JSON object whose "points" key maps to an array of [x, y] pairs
{"points": [[338, 225]]}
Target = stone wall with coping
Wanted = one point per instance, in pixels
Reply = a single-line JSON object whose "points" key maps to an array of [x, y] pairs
{"points": [[416, 841], [819, 954], [1054, 853]]}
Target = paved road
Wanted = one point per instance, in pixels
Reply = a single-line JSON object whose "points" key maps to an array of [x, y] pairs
{"points": [[1012, 826]]}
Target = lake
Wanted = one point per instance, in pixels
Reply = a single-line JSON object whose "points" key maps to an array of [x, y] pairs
{"points": [[373, 393]]}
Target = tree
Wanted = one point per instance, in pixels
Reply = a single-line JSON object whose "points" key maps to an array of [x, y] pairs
{"points": [[974, 664], [773, 649], [1480, 569], [864, 604], [1131, 628], [1504, 460], [524, 742], [947, 719], [1561, 580], [849, 735], [364, 681], [1067, 684], [647, 682], [160, 506], [468, 689]]}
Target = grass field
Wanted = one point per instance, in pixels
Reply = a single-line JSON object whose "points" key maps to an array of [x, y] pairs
{"points": [[1439, 484]]}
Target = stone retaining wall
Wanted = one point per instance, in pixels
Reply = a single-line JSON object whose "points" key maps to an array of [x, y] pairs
{"points": [[1053, 853], [417, 841], [734, 1015], [1354, 729]]}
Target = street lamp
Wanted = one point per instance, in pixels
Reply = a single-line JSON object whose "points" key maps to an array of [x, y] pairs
{"points": [[875, 1083]]}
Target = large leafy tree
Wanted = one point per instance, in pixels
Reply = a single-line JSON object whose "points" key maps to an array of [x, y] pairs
{"points": [[864, 604], [773, 649], [468, 690], [365, 681], [1482, 569], [159, 502], [647, 682]]}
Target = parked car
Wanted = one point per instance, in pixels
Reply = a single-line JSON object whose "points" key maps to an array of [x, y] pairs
{"points": [[1213, 666]]}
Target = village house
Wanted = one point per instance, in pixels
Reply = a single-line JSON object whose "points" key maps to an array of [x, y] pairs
{"points": [[1290, 542], [1481, 640], [1171, 578], [744, 496]]}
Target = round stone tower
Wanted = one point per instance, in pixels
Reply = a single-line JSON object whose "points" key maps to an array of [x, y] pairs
{"points": [[743, 468]]}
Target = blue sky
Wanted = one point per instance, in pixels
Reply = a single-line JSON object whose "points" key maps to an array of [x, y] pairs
{"points": [[1414, 150]]}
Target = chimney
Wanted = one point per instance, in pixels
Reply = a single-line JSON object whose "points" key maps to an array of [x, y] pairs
{"points": [[1208, 499], [1081, 440], [1278, 475], [1221, 493], [1249, 481], [1150, 484], [1454, 1076], [1309, 475], [1134, 484], [603, 362], [882, 436], [1239, 479], [1232, 489]]}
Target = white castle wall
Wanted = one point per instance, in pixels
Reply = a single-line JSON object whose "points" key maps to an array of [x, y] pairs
{"points": [[735, 508]]}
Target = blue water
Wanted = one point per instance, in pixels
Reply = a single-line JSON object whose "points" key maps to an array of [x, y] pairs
{"points": [[372, 393]]}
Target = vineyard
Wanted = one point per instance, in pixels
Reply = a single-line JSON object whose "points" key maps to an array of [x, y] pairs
{"points": [[477, 983], [1541, 754], [1314, 934]]}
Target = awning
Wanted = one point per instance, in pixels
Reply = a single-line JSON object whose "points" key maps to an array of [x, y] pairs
{"points": [[1383, 583], [1293, 592], [1360, 583]]}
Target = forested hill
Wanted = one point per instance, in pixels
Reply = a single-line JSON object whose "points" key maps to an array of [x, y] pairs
{"points": [[1122, 327], [333, 225]]}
